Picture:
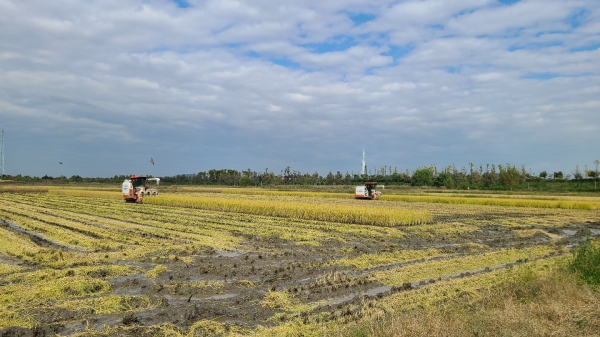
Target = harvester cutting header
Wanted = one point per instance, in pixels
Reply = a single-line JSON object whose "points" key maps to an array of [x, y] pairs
{"points": [[136, 187]]}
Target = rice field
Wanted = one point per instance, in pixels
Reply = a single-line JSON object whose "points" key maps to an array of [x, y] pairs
{"points": [[234, 262]]}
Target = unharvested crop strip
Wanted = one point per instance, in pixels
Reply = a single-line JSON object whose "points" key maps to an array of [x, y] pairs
{"points": [[496, 202], [147, 214], [347, 214]]}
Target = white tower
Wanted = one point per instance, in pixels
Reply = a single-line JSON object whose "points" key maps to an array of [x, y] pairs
{"points": [[2, 153], [364, 164]]}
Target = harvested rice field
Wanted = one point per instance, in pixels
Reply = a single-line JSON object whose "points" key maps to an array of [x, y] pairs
{"points": [[257, 262]]}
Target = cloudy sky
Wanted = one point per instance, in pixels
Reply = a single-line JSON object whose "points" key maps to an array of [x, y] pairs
{"points": [[104, 85]]}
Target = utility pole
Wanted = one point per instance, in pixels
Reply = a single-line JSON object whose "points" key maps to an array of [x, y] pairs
{"points": [[2, 154], [595, 176]]}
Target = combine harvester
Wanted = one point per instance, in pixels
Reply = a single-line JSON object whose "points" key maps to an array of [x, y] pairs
{"points": [[136, 187], [367, 192]]}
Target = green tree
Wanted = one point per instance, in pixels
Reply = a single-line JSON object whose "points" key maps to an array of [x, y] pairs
{"points": [[245, 180], [509, 176], [329, 179], [460, 177], [577, 175], [422, 177], [489, 177], [441, 180], [449, 182], [347, 178], [475, 178], [338, 178]]}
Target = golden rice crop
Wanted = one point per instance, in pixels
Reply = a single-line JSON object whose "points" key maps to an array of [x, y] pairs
{"points": [[9, 268], [87, 193], [322, 212], [505, 201], [532, 201], [109, 304], [495, 201], [4, 188], [254, 191]]}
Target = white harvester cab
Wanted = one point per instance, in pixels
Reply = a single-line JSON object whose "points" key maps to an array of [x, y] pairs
{"points": [[367, 191]]}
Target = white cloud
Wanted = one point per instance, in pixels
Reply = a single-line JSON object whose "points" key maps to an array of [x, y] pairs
{"points": [[504, 19], [273, 107], [248, 73], [299, 97], [399, 86], [487, 76]]}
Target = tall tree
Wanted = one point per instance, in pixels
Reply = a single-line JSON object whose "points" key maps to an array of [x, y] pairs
{"points": [[422, 177]]}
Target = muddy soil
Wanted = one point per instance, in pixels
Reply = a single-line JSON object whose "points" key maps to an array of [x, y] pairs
{"points": [[229, 286]]}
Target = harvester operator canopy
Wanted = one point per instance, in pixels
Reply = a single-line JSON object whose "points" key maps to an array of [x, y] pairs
{"points": [[137, 181]]}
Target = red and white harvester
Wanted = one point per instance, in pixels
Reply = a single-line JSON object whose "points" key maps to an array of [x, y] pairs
{"points": [[136, 187], [367, 192]]}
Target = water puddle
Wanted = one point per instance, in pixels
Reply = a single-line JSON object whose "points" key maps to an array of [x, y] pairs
{"points": [[569, 232], [369, 293], [377, 291], [551, 235], [128, 292], [134, 263], [107, 321], [339, 300], [177, 300], [224, 253], [442, 245], [221, 297], [213, 278]]}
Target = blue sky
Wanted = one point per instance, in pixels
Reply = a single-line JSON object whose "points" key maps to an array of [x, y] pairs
{"points": [[103, 86]]}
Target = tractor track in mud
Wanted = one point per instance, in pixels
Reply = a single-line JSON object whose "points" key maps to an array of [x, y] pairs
{"points": [[37, 238], [381, 290]]}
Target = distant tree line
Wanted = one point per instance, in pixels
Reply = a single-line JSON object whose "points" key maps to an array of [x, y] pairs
{"points": [[449, 177], [500, 177]]}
